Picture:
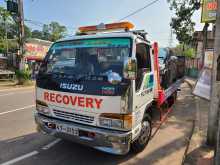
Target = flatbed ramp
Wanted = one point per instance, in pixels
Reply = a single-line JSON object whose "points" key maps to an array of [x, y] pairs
{"points": [[173, 88]]}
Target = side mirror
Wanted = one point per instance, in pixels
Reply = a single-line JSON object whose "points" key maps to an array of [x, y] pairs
{"points": [[130, 69]]}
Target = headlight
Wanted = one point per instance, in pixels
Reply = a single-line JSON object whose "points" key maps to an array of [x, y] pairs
{"points": [[42, 108], [116, 121]]}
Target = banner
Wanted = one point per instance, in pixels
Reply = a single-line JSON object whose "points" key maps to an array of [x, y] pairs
{"points": [[203, 85], [209, 11], [208, 60]]}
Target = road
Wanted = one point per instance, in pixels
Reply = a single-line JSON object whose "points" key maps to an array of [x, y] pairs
{"points": [[20, 144]]}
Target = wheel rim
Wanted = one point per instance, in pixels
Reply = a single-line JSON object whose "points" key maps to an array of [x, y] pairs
{"points": [[145, 132]]}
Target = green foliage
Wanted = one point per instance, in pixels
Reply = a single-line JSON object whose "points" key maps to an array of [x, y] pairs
{"points": [[182, 23], [183, 50], [9, 27], [12, 45], [23, 75], [51, 32], [190, 52], [37, 34], [27, 32]]}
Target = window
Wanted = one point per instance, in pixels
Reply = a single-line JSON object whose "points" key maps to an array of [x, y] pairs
{"points": [[143, 62], [143, 56], [88, 57]]}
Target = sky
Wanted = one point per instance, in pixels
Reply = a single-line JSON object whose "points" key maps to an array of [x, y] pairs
{"points": [[75, 13]]}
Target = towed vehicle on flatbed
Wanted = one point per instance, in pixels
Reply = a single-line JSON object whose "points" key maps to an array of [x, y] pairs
{"points": [[99, 87]]}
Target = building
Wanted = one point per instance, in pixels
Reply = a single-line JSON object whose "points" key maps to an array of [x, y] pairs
{"points": [[198, 42], [3, 62]]}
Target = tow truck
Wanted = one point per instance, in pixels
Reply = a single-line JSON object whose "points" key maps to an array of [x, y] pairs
{"points": [[99, 88]]}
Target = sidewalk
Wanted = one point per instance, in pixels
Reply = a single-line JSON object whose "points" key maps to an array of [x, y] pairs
{"points": [[198, 152], [168, 146], [12, 84]]}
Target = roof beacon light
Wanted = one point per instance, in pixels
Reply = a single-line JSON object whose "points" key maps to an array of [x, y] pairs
{"points": [[107, 27]]}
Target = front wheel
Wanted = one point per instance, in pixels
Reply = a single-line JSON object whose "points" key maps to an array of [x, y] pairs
{"points": [[144, 137]]}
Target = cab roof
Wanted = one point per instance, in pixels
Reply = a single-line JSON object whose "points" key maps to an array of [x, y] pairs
{"points": [[101, 35]]}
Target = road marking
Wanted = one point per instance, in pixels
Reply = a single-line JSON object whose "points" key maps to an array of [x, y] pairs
{"points": [[7, 94], [19, 109], [12, 93], [46, 147], [20, 158], [15, 89], [15, 139]]}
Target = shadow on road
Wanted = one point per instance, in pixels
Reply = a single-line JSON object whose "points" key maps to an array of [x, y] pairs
{"points": [[67, 153], [168, 145]]}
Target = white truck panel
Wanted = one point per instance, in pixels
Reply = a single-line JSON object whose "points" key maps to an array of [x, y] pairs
{"points": [[80, 102]]}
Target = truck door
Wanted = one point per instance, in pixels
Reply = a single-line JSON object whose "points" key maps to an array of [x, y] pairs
{"points": [[144, 84]]}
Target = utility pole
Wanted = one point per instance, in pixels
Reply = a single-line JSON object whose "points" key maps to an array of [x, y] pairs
{"points": [[6, 34], [171, 38], [21, 33], [205, 36], [215, 87]]}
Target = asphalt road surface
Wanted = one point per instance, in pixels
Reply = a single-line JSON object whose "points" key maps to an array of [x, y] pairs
{"points": [[20, 144]]}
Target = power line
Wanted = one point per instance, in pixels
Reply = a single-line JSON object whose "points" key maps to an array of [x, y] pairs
{"points": [[139, 10], [41, 24]]}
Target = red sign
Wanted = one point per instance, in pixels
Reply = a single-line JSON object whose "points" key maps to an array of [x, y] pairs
{"points": [[212, 6]]}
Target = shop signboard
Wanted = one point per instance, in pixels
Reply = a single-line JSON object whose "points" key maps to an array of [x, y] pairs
{"points": [[209, 11]]}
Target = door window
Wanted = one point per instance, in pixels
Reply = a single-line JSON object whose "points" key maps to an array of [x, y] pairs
{"points": [[143, 63]]}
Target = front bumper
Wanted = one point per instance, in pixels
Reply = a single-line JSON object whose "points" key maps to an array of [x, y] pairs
{"points": [[114, 142]]}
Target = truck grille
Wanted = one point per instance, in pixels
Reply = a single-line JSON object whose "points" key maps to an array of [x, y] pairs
{"points": [[73, 116]]}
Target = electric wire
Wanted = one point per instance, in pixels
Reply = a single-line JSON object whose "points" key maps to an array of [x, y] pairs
{"points": [[138, 10]]}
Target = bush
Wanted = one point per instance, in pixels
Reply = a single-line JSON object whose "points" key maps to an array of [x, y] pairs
{"points": [[23, 76]]}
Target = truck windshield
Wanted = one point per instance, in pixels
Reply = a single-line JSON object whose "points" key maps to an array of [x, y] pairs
{"points": [[88, 57]]}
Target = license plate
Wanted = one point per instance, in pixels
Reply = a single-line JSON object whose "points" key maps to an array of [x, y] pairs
{"points": [[67, 129]]}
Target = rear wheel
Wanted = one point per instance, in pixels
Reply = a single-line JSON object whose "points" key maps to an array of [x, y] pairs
{"points": [[144, 137]]}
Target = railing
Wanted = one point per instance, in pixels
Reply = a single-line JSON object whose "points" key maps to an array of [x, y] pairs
{"points": [[193, 66]]}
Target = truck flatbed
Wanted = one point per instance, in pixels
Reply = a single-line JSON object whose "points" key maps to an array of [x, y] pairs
{"points": [[173, 88]]}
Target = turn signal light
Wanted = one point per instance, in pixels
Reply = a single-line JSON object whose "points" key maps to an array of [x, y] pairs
{"points": [[112, 119]]}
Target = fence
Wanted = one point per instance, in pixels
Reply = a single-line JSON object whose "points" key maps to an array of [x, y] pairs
{"points": [[193, 66]]}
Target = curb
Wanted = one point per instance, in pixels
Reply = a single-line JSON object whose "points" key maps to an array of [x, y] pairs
{"points": [[16, 88], [191, 85]]}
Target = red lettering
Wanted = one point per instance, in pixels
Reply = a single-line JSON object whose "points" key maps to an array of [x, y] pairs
{"points": [[89, 103], [46, 96], [73, 100], [58, 98], [66, 99], [98, 103], [52, 97], [212, 6], [81, 101]]}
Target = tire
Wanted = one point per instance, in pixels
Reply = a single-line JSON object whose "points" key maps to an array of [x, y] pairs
{"points": [[141, 142]]}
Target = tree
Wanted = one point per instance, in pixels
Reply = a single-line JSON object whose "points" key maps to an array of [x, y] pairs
{"points": [[52, 32], [37, 34], [56, 31], [27, 32], [46, 32], [186, 51], [5, 20], [182, 23]]}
